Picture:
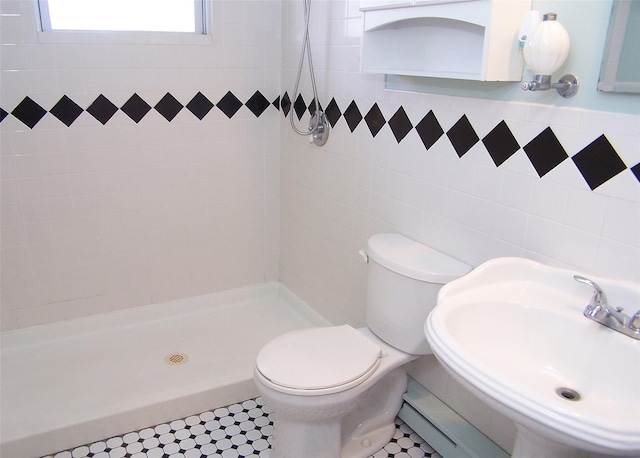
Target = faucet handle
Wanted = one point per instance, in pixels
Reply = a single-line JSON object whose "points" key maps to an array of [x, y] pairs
{"points": [[634, 322], [599, 298]]}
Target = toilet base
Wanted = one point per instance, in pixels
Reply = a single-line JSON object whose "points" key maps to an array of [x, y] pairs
{"points": [[369, 427], [358, 429], [295, 439], [360, 447]]}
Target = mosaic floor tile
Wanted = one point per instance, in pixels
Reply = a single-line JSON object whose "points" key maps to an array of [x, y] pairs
{"points": [[235, 431]]}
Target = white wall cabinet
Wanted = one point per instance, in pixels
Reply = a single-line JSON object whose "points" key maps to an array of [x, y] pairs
{"points": [[460, 39], [378, 4]]}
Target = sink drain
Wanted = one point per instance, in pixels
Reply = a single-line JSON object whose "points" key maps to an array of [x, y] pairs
{"points": [[174, 359], [568, 394]]}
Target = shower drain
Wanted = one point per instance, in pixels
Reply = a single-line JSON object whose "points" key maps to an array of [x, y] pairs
{"points": [[175, 359]]}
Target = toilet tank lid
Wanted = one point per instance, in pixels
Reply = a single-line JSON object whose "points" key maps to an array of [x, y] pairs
{"points": [[413, 259]]}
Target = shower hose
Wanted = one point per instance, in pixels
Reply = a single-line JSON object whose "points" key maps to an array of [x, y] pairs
{"points": [[318, 117]]}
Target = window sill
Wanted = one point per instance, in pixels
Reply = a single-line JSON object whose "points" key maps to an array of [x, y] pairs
{"points": [[98, 37]]}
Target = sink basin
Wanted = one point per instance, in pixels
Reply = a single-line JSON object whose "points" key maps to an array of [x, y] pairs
{"points": [[513, 332]]}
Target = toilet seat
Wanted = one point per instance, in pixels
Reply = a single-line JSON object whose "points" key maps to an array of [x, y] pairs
{"points": [[318, 361]]}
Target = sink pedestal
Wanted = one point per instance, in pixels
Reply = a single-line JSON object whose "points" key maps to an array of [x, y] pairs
{"points": [[531, 445]]}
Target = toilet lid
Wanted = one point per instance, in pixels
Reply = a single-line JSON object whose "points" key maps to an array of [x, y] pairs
{"points": [[318, 358]]}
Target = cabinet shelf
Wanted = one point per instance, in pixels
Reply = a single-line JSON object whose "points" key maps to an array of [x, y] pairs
{"points": [[459, 39]]}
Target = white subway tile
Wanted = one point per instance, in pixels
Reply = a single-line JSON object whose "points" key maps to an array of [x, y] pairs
{"points": [[549, 200], [578, 248], [517, 191], [36, 210], [543, 236], [586, 210], [554, 116], [618, 260], [610, 122], [511, 225], [622, 221]]}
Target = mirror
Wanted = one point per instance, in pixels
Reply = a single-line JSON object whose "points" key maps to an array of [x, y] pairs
{"points": [[620, 68]]}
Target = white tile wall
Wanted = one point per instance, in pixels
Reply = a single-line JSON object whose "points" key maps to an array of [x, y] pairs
{"points": [[334, 198], [97, 218]]}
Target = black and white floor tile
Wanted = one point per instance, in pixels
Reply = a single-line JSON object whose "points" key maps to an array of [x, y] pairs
{"points": [[236, 431]]}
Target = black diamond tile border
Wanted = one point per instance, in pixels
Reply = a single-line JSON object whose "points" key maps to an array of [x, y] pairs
{"points": [[636, 171], [333, 112], [285, 104], [545, 152], [102, 109], [66, 110], [597, 163], [400, 124], [500, 143], [462, 136], [136, 108], [352, 116], [168, 107], [299, 106], [257, 104], [200, 106], [239, 430], [374, 119], [229, 104], [312, 107], [276, 103], [429, 130], [29, 112]]}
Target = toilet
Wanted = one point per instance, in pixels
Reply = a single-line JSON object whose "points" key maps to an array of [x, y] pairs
{"points": [[335, 391]]}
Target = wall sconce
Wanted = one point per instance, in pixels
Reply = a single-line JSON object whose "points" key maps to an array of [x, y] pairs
{"points": [[546, 46]]}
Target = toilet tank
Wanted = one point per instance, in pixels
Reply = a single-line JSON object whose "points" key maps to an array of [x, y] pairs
{"points": [[403, 280]]}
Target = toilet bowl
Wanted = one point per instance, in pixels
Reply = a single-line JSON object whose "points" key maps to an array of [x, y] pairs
{"points": [[335, 391], [312, 405]]}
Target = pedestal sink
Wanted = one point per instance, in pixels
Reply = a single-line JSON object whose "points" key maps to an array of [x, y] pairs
{"points": [[513, 332]]}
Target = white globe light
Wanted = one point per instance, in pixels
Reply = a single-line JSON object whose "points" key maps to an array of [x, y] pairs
{"points": [[547, 47]]}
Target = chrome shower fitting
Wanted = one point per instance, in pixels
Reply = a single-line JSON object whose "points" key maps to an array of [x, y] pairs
{"points": [[318, 124], [318, 128]]}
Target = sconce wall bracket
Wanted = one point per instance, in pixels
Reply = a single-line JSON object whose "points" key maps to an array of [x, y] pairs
{"points": [[567, 86]]}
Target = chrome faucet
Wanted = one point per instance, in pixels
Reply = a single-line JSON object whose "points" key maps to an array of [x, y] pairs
{"points": [[600, 311]]}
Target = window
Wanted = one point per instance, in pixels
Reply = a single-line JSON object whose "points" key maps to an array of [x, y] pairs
{"points": [[186, 16]]}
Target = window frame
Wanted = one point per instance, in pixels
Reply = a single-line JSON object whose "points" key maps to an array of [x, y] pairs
{"points": [[201, 22]]}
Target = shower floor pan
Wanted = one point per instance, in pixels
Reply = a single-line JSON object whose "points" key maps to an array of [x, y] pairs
{"points": [[73, 382]]}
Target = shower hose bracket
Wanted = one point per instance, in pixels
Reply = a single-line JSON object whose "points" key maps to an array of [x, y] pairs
{"points": [[318, 128]]}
